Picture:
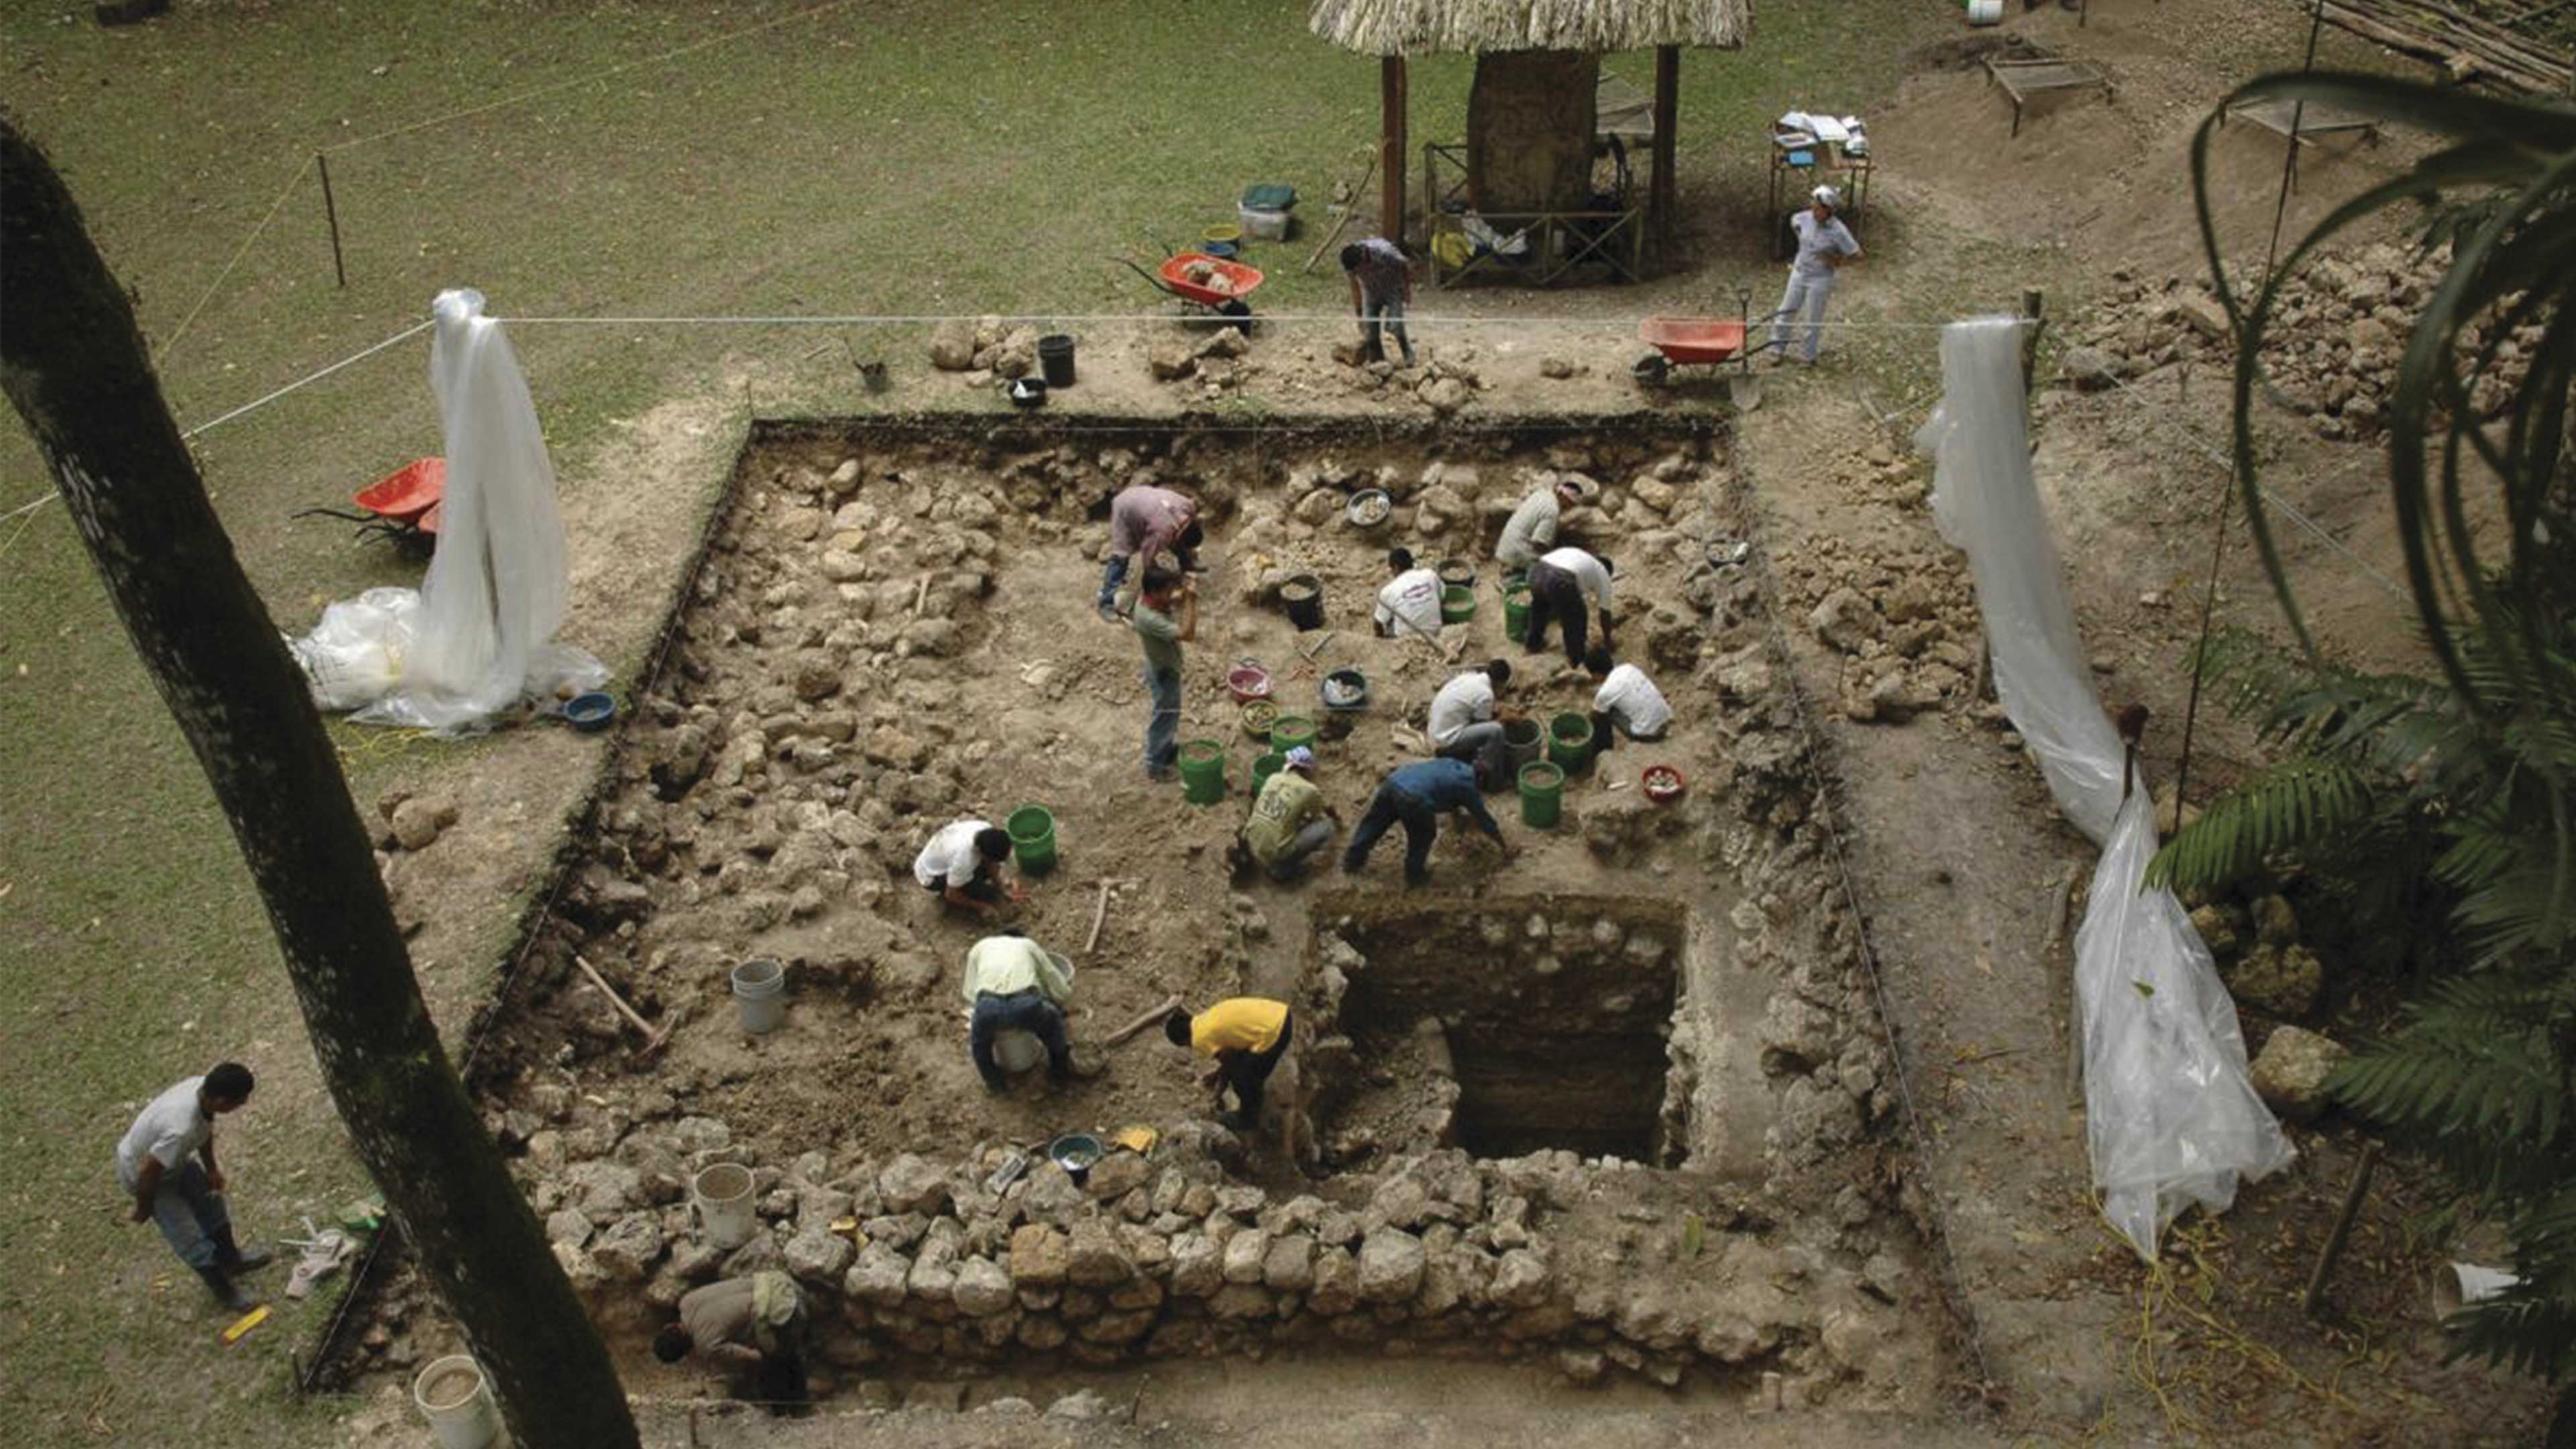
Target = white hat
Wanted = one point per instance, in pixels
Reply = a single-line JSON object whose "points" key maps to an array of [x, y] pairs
{"points": [[1301, 758], [1831, 198]]}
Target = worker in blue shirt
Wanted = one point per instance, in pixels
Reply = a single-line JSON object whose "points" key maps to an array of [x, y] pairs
{"points": [[1418, 794]]}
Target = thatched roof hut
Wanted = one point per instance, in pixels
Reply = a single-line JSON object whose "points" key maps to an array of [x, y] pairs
{"points": [[1537, 63], [1469, 27]]}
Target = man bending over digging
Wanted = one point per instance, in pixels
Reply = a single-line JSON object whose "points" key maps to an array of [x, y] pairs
{"points": [[1245, 1036], [962, 865]]}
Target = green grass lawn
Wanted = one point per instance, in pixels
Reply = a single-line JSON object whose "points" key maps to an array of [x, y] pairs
{"points": [[885, 156]]}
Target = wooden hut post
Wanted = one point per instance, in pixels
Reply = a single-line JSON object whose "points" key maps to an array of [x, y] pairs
{"points": [[1391, 159], [1661, 198]]}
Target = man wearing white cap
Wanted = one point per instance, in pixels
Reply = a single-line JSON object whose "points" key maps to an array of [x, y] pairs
{"points": [[1824, 244], [1290, 820]]}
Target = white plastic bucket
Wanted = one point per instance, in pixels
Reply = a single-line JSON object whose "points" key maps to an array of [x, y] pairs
{"points": [[2457, 1285], [1017, 1051], [1260, 225], [453, 1396], [721, 1198], [760, 992], [1985, 12]]}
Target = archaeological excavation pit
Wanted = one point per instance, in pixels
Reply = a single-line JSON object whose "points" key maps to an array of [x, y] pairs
{"points": [[1616, 1106], [1507, 1026]]}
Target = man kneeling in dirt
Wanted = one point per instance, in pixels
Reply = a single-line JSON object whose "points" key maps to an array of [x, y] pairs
{"points": [[962, 865], [1290, 820], [755, 1326], [1015, 985]]}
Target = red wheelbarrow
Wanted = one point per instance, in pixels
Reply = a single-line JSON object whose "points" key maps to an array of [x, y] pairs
{"points": [[1687, 342], [1218, 284], [402, 507]]}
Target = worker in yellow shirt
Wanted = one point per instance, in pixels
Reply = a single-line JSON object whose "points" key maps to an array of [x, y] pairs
{"points": [[1245, 1036]]}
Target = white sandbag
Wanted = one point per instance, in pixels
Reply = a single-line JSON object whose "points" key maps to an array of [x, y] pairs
{"points": [[2170, 1114]]}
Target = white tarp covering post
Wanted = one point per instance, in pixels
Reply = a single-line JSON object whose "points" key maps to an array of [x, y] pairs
{"points": [[2170, 1114], [478, 636]]}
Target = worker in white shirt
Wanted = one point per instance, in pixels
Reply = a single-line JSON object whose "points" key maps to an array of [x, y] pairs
{"points": [[1559, 584], [1410, 602], [962, 865], [1626, 702], [1531, 530], [1463, 719], [1015, 985], [1824, 244]]}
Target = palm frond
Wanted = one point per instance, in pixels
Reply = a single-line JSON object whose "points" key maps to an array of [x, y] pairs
{"points": [[2290, 806]]}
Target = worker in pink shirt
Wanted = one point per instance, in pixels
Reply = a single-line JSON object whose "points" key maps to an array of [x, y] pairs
{"points": [[1145, 521]]}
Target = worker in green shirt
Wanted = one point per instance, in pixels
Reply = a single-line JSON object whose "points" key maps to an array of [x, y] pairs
{"points": [[1290, 820], [1166, 616]]}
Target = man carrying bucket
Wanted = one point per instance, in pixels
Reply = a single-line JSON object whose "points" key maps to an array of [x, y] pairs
{"points": [[1014, 984], [1143, 522], [166, 1164], [1824, 244], [1162, 635], [755, 1325]]}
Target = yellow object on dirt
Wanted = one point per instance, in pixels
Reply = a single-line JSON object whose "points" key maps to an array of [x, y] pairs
{"points": [[246, 1323], [1138, 1139]]}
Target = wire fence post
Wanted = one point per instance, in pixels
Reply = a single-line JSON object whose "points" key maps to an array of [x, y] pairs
{"points": [[331, 214]]}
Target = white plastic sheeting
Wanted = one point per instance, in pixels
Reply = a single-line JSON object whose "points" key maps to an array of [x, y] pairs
{"points": [[478, 636], [2170, 1114]]}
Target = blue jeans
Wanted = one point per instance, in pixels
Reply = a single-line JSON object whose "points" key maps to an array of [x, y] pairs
{"points": [[1805, 294], [1392, 309], [1163, 726], [1027, 1011], [190, 1214], [1112, 574], [1421, 827]]}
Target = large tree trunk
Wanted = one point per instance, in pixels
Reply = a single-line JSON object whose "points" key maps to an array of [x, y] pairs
{"points": [[1529, 130], [73, 363]]}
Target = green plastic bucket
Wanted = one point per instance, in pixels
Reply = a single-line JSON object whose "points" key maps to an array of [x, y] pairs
{"points": [[1515, 580], [1032, 832], [1266, 766], [1202, 772], [1542, 794], [1569, 741], [1516, 611], [1457, 604], [1289, 731]]}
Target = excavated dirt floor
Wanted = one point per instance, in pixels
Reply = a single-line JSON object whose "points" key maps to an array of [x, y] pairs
{"points": [[1618, 1104]]}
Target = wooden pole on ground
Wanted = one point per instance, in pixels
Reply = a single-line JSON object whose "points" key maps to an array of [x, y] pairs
{"points": [[331, 214], [2342, 1229], [1170, 1005], [1390, 155], [653, 1039]]}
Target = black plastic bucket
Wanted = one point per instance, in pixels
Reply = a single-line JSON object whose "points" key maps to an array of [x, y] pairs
{"points": [[1055, 359], [1304, 596]]}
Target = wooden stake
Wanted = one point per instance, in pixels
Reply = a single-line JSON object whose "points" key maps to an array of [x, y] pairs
{"points": [[2342, 1229], [1099, 914], [1350, 209], [653, 1040], [2033, 303], [331, 214], [1170, 1005]]}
